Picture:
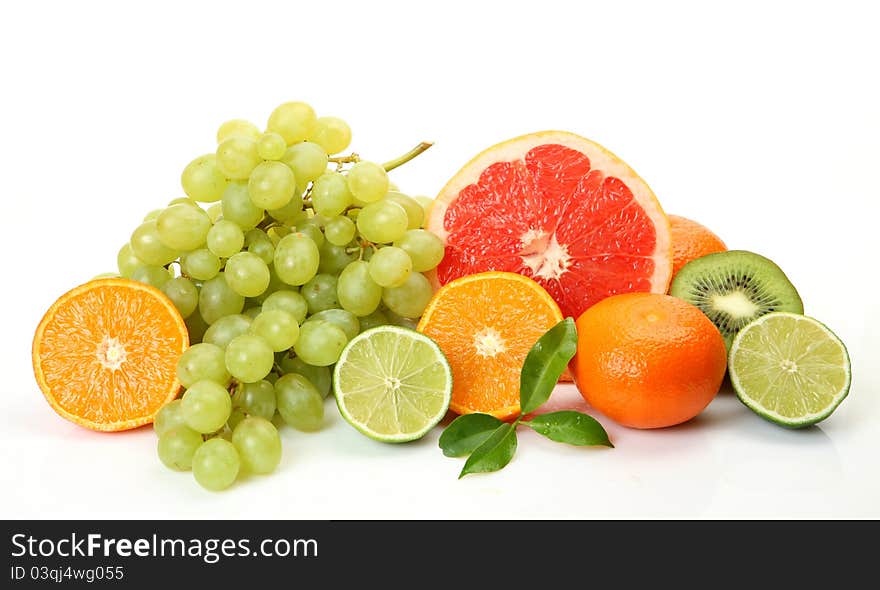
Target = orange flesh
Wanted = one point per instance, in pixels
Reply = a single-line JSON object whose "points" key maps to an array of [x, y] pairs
{"points": [[105, 354], [486, 324]]}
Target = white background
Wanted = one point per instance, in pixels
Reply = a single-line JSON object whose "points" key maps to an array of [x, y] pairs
{"points": [[760, 120]]}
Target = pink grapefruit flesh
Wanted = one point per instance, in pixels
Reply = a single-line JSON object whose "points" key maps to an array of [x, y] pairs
{"points": [[557, 208]]}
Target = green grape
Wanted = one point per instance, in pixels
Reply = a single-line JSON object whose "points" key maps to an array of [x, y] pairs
{"points": [[214, 212], [196, 326], [415, 215], [106, 275], [235, 127], [299, 402], [382, 222], [320, 293], [255, 399], [181, 201], [152, 215], [271, 185], [320, 343], [252, 312], [424, 248], [249, 358], [201, 264], [296, 259], [300, 218], [367, 181], [403, 322], [277, 327], [238, 207], [215, 464], [225, 238], [271, 146], [330, 194], [292, 212], [156, 276], [344, 320], [237, 156], [170, 416], [275, 284], [331, 133], [294, 121], [340, 230], [409, 299], [290, 301], [202, 362], [260, 244], [258, 445], [307, 160], [312, 231], [356, 291], [202, 180], [235, 418], [206, 406], [146, 245], [426, 203], [334, 258], [183, 227], [183, 294], [275, 233], [377, 318], [217, 299], [126, 261], [177, 446], [247, 274], [317, 376], [390, 267], [225, 329]]}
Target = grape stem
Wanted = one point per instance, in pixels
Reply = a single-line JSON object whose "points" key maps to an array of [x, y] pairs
{"points": [[392, 164], [268, 223], [349, 159]]}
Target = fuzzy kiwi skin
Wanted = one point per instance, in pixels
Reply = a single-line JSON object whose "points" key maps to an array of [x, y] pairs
{"points": [[721, 273]]}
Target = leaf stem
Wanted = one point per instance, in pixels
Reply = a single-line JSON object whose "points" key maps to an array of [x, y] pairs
{"points": [[392, 164]]}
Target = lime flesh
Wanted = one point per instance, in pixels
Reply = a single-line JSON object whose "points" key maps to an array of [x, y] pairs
{"points": [[392, 384], [789, 369]]}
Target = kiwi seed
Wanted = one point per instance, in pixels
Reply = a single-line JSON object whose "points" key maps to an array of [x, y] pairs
{"points": [[734, 288]]}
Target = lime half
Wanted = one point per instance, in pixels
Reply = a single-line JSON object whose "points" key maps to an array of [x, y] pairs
{"points": [[392, 384], [789, 369]]}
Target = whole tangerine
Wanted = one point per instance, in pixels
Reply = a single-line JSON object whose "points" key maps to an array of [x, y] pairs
{"points": [[691, 240], [647, 360]]}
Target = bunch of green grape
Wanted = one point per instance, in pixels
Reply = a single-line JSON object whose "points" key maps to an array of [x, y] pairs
{"points": [[299, 252]]}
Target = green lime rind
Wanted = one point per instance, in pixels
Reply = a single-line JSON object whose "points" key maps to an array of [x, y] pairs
{"points": [[789, 369], [392, 384]]}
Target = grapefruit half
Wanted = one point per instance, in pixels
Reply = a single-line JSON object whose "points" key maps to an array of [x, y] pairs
{"points": [[559, 209]]}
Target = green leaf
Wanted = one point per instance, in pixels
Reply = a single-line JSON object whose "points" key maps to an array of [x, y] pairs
{"points": [[570, 427], [545, 363], [494, 453], [466, 433]]}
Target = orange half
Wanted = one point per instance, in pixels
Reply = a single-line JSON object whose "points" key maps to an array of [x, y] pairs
{"points": [[105, 354], [486, 324]]}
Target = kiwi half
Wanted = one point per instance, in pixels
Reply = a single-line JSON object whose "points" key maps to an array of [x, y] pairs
{"points": [[735, 287]]}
